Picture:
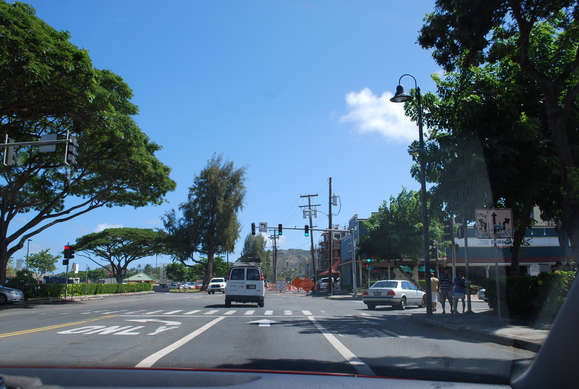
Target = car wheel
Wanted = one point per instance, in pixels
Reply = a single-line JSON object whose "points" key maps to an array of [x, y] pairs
{"points": [[423, 303], [3, 299], [402, 304], [227, 303], [371, 306], [260, 304]]}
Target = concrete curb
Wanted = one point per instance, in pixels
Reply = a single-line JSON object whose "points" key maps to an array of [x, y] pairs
{"points": [[478, 333]]}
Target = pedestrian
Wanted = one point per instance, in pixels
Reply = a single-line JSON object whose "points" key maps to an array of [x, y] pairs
{"points": [[445, 289], [434, 291], [459, 291]]}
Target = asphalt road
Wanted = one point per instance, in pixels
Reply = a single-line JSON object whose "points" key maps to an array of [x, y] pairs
{"points": [[292, 332]]}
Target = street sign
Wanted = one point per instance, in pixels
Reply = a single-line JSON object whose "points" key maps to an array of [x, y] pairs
{"points": [[494, 223], [263, 227]]}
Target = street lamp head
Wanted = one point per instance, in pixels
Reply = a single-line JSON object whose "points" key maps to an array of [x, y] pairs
{"points": [[400, 96]]}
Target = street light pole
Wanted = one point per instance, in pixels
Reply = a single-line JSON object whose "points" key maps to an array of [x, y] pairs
{"points": [[402, 97]]}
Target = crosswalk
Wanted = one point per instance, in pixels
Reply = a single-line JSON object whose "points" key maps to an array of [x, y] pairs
{"points": [[207, 312]]}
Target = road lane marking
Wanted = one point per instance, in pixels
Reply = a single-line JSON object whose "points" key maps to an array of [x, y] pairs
{"points": [[230, 312], [356, 362], [192, 312], [152, 313], [307, 313], [152, 359], [30, 331], [166, 322], [250, 312], [173, 312], [211, 312], [287, 312], [268, 313], [263, 322]]}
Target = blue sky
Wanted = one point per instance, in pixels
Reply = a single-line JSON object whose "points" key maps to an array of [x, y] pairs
{"points": [[295, 91]]}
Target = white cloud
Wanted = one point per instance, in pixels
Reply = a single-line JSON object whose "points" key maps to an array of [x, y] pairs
{"points": [[371, 113], [104, 226]]}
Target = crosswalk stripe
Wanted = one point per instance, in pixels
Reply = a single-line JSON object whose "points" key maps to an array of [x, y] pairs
{"points": [[152, 313], [287, 312], [250, 312], [307, 313], [230, 312], [173, 312], [211, 312], [192, 312], [268, 313]]}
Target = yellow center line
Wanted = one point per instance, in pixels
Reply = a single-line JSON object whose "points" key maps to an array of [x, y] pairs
{"points": [[23, 332]]}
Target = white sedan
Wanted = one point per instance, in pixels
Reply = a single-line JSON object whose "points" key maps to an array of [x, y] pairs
{"points": [[396, 293]]}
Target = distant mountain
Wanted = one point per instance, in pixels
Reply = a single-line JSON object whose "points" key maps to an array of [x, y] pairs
{"points": [[292, 257]]}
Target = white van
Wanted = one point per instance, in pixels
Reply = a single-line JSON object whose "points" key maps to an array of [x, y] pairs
{"points": [[245, 284]]}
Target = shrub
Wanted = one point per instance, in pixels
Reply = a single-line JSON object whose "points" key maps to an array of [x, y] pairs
{"points": [[530, 297]]}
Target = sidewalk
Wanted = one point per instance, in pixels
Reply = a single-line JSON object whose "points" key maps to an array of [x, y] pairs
{"points": [[482, 324], [486, 326]]}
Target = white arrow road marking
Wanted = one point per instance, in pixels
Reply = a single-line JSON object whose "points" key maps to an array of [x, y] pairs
{"points": [[263, 322], [162, 329], [152, 359], [166, 322], [356, 362]]}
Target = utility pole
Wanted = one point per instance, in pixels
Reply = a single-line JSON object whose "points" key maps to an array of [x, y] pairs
{"points": [[309, 196], [274, 238], [330, 240]]}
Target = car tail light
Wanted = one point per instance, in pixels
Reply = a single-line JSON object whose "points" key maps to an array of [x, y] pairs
{"points": [[391, 293], [365, 293], [262, 277]]}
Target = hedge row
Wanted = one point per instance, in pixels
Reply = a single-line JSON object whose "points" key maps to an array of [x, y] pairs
{"points": [[531, 297], [58, 290]]}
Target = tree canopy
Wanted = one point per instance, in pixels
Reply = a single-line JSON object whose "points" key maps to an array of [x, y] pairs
{"points": [[489, 146], [49, 86], [118, 247], [539, 36], [395, 231], [254, 247], [209, 223], [42, 262]]}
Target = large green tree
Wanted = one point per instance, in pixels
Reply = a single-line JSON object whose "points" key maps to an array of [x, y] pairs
{"points": [[118, 247], [209, 223], [464, 33], [395, 231], [49, 86], [42, 262], [254, 247], [489, 145]]}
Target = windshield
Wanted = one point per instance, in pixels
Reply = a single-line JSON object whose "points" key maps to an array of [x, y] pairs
{"points": [[154, 151], [385, 284]]}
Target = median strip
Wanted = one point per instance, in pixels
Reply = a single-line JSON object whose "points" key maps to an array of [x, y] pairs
{"points": [[30, 331]]}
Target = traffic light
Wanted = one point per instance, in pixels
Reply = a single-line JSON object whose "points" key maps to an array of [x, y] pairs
{"points": [[448, 230], [279, 229], [307, 230], [65, 262], [367, 265], [71, 150], [252, 228], [68, 251], [368, 260], [460, 232]]}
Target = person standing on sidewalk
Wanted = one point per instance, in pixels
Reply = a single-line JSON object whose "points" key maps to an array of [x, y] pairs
{"points": [[434, 284], [459, 291], [445, 288]]}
